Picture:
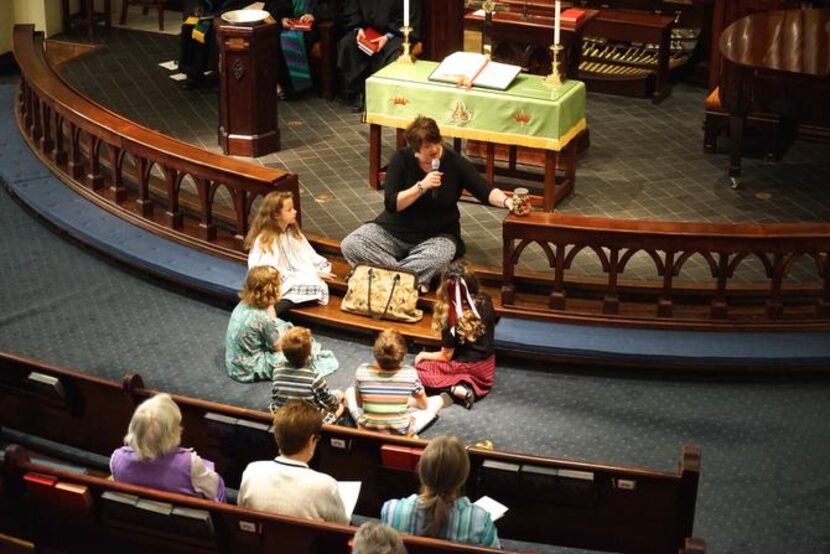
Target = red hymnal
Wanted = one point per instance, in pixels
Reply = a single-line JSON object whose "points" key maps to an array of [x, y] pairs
{"points": [[572, 15], [366, 45], [297, 25]]}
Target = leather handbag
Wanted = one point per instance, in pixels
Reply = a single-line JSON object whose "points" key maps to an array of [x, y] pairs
{"points": [[382, 293]]}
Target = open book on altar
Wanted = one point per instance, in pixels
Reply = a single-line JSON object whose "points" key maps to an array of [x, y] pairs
{"points": [[474, 70]]}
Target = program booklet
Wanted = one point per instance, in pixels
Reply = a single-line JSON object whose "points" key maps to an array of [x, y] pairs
{"points": [[475, 70]]}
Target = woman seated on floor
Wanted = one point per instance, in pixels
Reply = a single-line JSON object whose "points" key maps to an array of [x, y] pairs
{"points": [[385, 390], [466, 364], [252, 341], [420, 227], [153, 458], [440, 510]]}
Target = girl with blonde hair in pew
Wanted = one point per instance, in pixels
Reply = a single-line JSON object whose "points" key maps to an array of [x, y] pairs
{"points": [[441, 510], [252, 341], [466, 364], [275, 239], [152, 455]]}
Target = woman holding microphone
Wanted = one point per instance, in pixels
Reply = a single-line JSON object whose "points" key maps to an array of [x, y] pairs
{"points": [[419, 228]]}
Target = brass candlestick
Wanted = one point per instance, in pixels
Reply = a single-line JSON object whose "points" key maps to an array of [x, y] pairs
{"points": [[406, 57], [557, 75]]}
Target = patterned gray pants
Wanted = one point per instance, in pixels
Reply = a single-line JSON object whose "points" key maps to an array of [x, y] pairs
{"points": [[371, 243]]}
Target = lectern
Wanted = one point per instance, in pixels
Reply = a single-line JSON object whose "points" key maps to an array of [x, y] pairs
{"points": [[248, 123]]}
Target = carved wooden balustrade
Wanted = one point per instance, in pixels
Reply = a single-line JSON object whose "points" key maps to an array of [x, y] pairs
{"points": [[665, 248], [88, 145]]}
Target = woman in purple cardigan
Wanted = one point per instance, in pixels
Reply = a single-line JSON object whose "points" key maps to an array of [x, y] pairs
{"points": [[153, 458]]}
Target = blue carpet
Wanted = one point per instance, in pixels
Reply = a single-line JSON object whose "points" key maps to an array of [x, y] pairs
{"points": [[765, 486]]}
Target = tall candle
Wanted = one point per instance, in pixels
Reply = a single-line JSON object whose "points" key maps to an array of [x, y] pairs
{"points": [[406, 13], [556, 22]]}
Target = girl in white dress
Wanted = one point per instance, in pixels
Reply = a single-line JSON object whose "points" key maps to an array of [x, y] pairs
{"points": [[275, 239]]}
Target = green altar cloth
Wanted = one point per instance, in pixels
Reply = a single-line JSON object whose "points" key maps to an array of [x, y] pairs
{"points": [[529, 113]]}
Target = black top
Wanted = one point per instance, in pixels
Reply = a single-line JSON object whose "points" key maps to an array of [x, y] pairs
{"points": [[429, 216], [483, 347], [385, 16]]}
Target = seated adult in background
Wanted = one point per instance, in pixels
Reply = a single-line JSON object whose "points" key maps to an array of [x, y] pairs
{"points": [[297, 381], [440, 511], [252, 341], [197, 43], [286, 485], [384, 391], [376, 538], [419, 228], [466, 364], [153, 458], [293, 73], [383, 16]]}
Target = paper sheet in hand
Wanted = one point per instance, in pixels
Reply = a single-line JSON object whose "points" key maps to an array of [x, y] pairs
{"points": [[349, 491], [494, 508], [471, 69]]}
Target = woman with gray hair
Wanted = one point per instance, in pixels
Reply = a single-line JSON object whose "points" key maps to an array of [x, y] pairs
{"points": [[151, 455]]}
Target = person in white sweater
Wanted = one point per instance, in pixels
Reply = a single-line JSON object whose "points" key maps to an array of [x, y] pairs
{"points": [[275, 239], [286, 485]]}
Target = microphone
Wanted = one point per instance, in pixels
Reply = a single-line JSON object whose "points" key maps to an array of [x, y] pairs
{"points": [[436, 163]]}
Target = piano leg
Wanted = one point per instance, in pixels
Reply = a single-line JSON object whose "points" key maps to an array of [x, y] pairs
{"points": [[736, 139]]}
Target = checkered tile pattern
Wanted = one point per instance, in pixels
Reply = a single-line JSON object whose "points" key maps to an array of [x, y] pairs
{"points": [[644, 162]]}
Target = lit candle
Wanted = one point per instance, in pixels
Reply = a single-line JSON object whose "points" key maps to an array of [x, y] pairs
{"points": [[556, 22], [406, 13]]}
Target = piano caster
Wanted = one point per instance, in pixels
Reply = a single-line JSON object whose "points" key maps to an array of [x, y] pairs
{"points": [[734, 183]]}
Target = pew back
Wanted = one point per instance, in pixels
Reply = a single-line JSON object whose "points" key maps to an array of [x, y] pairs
{"points": [[79, 513], [551, 501]]}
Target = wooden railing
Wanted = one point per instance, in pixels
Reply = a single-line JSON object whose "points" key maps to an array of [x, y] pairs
{"points": [[88, 145], [774, 250]]}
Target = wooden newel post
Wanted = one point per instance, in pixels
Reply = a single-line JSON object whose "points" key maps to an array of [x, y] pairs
{"points": [[248, 123]]}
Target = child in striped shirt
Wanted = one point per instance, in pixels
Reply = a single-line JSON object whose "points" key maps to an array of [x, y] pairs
{"points": [[385, 391], [297, 381]]}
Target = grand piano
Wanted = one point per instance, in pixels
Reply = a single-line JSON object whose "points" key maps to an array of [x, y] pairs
{"points": [[776, 62]]}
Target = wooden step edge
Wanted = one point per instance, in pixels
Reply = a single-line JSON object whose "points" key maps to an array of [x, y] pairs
{"points": [[331, 315]]}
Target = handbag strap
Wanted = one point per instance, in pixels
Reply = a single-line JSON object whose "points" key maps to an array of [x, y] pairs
{"points": [[370, 274], [395, 282]]}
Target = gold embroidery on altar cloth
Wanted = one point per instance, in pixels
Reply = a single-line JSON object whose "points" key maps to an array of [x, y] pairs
{"points": [[459, 114]]}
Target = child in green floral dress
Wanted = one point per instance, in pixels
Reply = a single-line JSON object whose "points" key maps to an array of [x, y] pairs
{"points": [[252, 342]]}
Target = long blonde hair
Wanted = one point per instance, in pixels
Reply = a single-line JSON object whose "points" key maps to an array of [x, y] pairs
{"points": [[265, 224], [469, 326], [443, 469]]}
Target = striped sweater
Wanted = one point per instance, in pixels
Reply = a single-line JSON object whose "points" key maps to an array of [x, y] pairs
{"points": [[303, 384], [384, 395]]}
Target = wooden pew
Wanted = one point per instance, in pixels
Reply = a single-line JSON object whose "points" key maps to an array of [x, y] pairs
{"points": [[79, 513], [62, 405], [552, 501]]}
